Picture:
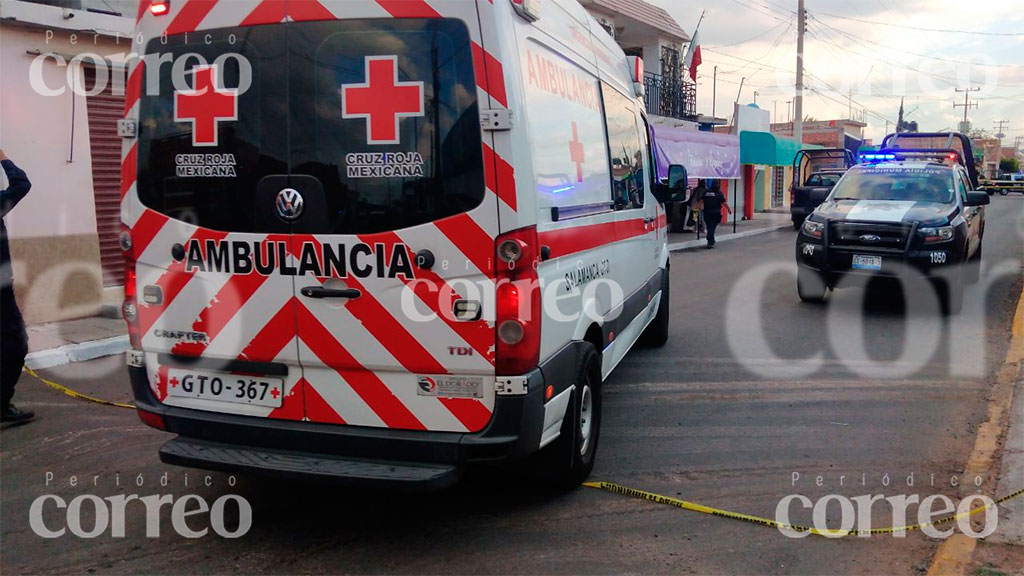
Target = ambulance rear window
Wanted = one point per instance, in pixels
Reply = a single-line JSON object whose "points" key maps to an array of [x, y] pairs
{"points": [[382, 113]]}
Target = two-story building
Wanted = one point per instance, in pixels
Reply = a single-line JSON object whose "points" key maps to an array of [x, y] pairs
{"points": [[649, 32]]}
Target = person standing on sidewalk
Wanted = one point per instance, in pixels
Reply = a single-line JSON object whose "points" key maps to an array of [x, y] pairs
{"points": [[714, 201], [13, 338]]}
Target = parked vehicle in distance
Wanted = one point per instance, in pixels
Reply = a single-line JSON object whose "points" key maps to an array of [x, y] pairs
{"points": [[815, 173], [1005, 184], [902, 208]]}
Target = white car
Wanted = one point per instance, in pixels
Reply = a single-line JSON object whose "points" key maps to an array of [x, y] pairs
{"points": [[375, 241]]}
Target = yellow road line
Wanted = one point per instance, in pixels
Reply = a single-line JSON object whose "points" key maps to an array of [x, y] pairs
{"points": [[954, 554]]}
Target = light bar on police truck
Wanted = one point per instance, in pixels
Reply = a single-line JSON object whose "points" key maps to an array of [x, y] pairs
{"points": [[160, 7], [941, 156]]}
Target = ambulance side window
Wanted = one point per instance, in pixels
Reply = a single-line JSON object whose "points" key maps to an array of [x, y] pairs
{"points": [[626, 155]]}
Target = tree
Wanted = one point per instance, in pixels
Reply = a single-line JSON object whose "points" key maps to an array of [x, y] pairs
{"points": [[1009, 165]]}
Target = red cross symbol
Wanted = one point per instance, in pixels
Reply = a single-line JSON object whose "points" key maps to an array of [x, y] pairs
{"points": [[174, 382], [275, 392], [576, 153], [382, 100], [205, 105]]}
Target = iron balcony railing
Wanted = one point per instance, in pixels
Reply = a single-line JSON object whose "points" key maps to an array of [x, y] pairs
{"points": [[673, 99]]}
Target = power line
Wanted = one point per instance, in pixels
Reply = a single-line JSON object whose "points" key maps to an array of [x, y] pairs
{"points": [[919, 29], [937, 58], [752, 38], [758, 10]]}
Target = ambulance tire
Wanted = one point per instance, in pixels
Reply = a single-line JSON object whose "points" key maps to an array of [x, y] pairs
{"points": [[656, 334], [565, 463]]}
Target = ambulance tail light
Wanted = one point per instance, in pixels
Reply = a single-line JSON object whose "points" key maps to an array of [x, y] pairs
{"points": [[160, 7], [517, 346], [130, 308], [528, 9]]}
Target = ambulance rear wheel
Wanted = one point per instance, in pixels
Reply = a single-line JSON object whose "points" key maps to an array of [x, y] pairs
{"points": [[566, 462], [656, 334]]}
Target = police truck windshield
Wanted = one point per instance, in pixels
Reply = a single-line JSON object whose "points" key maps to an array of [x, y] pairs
{"points": [[894, 183]]}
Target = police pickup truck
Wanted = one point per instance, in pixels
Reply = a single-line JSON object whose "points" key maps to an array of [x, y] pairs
{"points": [[912, 205], [815, 173], [1004, 185]]}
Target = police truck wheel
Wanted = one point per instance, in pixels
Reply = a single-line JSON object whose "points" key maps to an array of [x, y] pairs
{"points": [[951, 294], [567, 461], [1004, 192], [656, 334], [810, 286]]}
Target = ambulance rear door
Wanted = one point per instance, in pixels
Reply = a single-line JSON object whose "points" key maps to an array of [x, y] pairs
{"points": [[395, 286]]}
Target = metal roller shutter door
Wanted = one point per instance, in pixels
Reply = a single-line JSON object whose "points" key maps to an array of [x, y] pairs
{"points": [[105, 109]]}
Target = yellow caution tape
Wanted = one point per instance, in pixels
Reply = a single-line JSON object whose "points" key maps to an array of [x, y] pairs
{"points": [[678, 503], [74, 394]]}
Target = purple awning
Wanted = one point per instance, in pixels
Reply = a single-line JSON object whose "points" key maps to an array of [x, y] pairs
{"points": [[705, 154]]}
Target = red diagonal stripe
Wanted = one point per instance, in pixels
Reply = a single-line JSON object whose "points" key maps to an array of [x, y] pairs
{"points": [[129, 168], [172, 281], [293, 406], [228, 302], [429, 287], [133, 88], [309, 10], [190, 16], [146, 228], [365, 383], [490, 74], [500, 177], [390, 333], [267, 345], [408, 9], [471, 412], [317, 409], [161, 382], [471, 240], [267, 12], [143, 6]]}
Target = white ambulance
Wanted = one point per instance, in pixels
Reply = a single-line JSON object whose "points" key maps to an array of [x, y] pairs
{"points": [[377, 241]]}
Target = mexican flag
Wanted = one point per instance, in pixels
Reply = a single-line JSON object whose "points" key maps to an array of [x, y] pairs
{"points": [[693, 60]]}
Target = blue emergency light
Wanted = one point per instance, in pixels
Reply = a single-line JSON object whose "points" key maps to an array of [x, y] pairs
{"points": [[868, 158]]}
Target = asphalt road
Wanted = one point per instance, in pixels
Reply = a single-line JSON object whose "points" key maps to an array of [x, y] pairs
{"points": [[724, 415]]}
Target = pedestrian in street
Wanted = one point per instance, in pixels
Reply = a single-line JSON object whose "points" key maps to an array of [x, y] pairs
{"points": [[714, 201], [13, 338], [696, 203]]}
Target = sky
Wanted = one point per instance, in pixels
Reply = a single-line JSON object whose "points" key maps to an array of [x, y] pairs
{"points": [[880, 63]]}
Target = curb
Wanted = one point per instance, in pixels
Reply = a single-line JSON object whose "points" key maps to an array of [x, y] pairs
{"points": [[690, 244], [80, 352]]}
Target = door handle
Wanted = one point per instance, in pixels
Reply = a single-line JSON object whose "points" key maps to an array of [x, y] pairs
{"points": [[319, 292]]}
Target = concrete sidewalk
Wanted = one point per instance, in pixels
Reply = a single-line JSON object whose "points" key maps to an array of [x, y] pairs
{"points": [[1011, 475], [60, 343], [762, 223]]}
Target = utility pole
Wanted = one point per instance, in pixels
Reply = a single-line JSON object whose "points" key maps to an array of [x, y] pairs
{"points": [[798, 126], [999, 132], [967, 105], [755, 97], [851, 105], [714, 93], [775, 115]]}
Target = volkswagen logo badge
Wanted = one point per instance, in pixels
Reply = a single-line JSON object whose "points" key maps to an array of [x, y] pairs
{"points": [[870, 239], [289, 204]]}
